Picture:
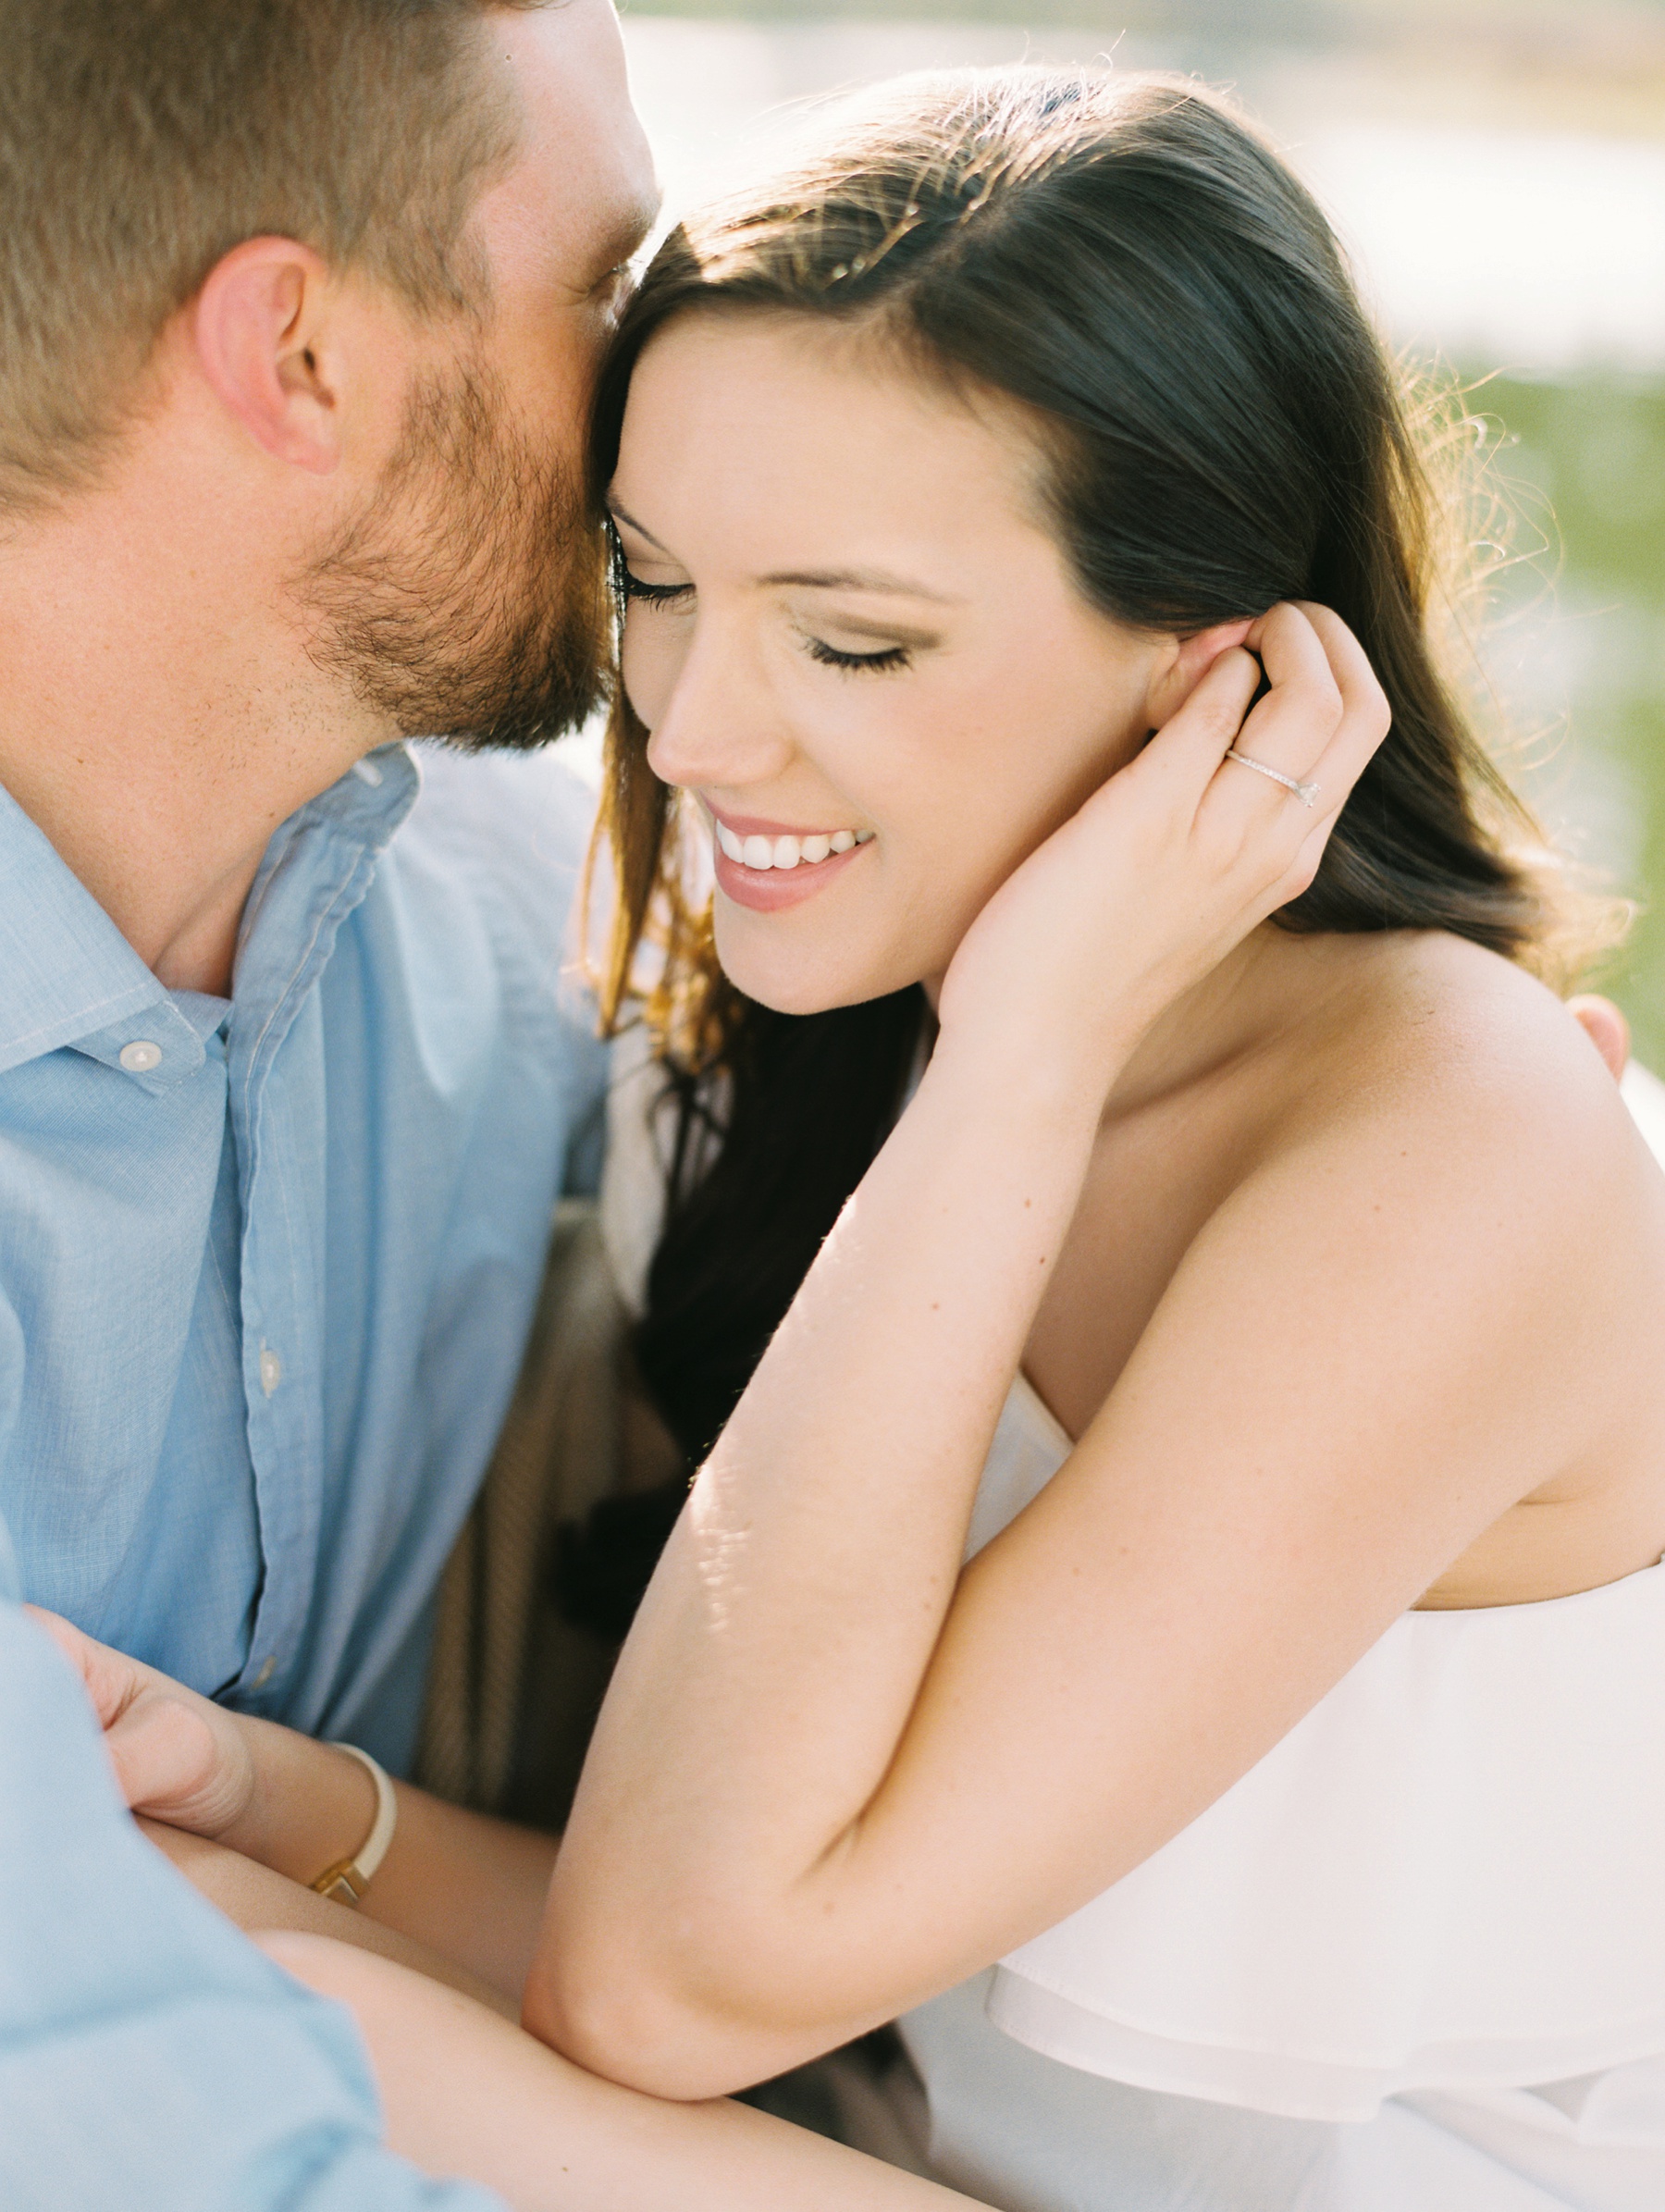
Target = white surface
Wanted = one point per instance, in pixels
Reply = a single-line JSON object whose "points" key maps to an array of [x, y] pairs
{"points": [[1508, 250]]}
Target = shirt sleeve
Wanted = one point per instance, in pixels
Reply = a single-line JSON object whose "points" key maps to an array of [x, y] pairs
{"points": [[151, 2060]]}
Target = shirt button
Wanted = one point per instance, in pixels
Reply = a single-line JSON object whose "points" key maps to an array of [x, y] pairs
{"points": [[271, 1372], [140, 1057], [268, 1667], [367, 772]]}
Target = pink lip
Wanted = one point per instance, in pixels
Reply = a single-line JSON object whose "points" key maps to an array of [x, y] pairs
{"points": [[753, 825], [772, 890], [769, 890]]}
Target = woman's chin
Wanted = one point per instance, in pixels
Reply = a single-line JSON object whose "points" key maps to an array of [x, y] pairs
{"points": [[794, 995], [794, 984]]}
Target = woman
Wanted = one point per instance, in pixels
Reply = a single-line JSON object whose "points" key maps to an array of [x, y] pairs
{"points": [[1269, 1813]]}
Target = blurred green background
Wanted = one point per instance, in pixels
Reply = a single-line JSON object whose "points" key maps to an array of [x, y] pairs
{"points": [[1497, 168]]}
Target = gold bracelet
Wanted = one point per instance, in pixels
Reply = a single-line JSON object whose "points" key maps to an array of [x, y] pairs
{"points": [[347, 1881]]}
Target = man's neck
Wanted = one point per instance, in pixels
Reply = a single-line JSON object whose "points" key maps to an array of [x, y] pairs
{"points": [[157, 739]]}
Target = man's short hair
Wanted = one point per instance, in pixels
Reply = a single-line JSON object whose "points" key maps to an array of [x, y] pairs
{"points": [[141, 140]]}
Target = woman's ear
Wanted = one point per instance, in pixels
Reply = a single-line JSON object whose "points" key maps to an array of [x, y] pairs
{"points": [[1178, 676]]}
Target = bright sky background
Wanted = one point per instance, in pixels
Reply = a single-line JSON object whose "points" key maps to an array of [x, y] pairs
{"points": [[1540, 252]]}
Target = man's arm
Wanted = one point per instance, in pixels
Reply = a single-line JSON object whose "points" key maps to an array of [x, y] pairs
{"points": [[151, 2060]]}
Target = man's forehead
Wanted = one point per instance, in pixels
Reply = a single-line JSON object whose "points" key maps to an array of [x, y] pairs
{"points": [[585, 175]]}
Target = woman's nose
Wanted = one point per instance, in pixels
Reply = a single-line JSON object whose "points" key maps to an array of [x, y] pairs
{"points": [[721, 728]]}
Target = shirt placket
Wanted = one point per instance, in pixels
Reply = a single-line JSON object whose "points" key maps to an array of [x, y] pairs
{"points": [[279, 1106]]}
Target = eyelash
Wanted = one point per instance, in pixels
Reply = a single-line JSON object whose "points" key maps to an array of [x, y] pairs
{"points": [[656, 595], [885, 662], [871, 664]]}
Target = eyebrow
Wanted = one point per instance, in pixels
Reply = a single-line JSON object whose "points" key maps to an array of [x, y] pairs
{"points": [[862, 579], [621, 514]]}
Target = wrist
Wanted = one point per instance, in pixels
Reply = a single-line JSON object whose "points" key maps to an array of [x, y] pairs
{"points": [[310, 1805], [1051, 1096]]}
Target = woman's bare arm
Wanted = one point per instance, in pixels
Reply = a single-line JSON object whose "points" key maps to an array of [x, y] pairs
{"points": [[466, 1888], [256, 1898], [467, 2094]]}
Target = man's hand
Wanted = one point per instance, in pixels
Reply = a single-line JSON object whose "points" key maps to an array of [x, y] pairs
{"points": [[178, 1756]]}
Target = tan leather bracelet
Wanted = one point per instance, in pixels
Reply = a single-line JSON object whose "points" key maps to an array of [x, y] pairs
{"points": [[347, 1881]]}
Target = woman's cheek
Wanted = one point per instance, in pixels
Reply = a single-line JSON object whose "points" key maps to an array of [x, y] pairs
{"points": [[650, 658]]}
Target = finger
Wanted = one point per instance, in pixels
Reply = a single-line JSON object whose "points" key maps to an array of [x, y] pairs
{"points": [[164, 1757], [1319, 727], [108, 1679], [65, 1634], [1366, 714], [1188, 749], [1291, 726], [1606, 1027]]}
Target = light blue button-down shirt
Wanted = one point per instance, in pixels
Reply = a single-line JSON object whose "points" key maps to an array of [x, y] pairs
{"points": [[266, 1266], [150, 2060]]}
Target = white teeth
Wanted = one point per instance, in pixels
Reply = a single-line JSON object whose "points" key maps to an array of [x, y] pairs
{"points": [[761, 853]]}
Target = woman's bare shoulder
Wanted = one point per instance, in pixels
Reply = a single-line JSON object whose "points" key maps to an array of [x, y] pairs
{"points": [[1452, 1097], [1458, 1048]]}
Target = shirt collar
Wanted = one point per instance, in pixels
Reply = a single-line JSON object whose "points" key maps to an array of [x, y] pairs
{"points": [[68, 976]]}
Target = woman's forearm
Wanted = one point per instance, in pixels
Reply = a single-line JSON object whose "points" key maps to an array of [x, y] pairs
{"points": [[467, 2094], [819, 1557], [256, 1898], [471, 1890], [467, 1889]]}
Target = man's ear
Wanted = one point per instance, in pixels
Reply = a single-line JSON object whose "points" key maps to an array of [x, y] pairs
{"points": [[256, 323], [1177, 678]]}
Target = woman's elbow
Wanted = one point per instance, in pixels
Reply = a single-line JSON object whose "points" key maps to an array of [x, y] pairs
{"points": [[631, 2027]]}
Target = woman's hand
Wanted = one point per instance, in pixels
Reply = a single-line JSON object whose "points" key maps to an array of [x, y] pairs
{"points": [[296, 1807], [178, 1758], [1172, 862], [291, 1804]]}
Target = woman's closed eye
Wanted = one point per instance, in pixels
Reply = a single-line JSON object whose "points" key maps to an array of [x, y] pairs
{"points": [[885, 660], [653, 595], [888, 659]]}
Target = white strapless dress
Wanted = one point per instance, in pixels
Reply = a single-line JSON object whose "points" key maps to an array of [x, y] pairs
{"points": [[1413, 1961]]}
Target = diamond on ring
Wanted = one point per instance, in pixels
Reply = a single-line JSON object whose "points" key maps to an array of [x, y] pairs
{"points": [[1306, 793]]}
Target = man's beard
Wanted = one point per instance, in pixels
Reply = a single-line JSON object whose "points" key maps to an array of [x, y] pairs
{"points": [[468, 599]]}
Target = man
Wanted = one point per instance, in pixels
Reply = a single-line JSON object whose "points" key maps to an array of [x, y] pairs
{"points": [[299, 304]]}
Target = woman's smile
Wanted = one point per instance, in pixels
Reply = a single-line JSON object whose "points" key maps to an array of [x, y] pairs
{"points": [[766, 866]]}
